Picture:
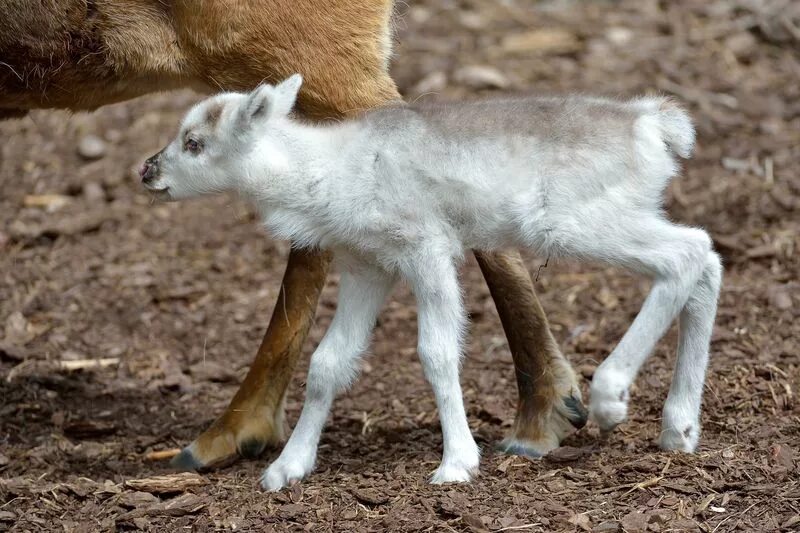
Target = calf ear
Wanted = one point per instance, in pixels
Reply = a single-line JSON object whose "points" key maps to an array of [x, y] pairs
{"points": [[266, 101], [285, 94], [257, 105]]}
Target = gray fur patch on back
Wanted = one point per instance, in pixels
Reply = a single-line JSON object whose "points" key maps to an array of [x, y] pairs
{"points": [[557, 119]]}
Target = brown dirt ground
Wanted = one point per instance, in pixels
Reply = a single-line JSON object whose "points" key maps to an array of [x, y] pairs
{"points": [[181, 294]]}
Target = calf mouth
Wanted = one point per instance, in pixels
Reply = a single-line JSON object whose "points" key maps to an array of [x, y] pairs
{"points": [[161, 193]]}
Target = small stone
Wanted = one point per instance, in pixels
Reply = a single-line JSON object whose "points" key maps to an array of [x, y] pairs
{"points": [[619, 36], [136, 499], [350, 513], [91, 147], [481, 77], [419, 14], [582, 521], [635, 521], [113, 136], [473, 522], [779, 297], [772, 125], [212, 371], [142, 523], [472, 20], [433, 82], [607, 527], [543, 41], [94, 192], [742, 44], [727, 453]]}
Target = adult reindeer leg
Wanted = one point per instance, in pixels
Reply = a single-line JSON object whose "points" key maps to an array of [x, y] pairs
{"points": [[550, 405], [254, 418]]}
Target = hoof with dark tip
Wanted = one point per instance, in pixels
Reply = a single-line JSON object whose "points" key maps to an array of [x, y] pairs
{"points": [[517, 448], [252, 448], [576, 413], [185, 461]]}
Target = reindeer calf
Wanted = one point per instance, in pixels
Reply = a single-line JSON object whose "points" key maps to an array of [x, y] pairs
{"points": [[401, 193]]}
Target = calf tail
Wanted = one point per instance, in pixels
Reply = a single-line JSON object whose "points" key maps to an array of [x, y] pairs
{"points": [[676, 127]]}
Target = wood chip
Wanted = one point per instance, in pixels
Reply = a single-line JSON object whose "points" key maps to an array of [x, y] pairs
{"points": [[51, 202], [169, 483], [473, 523], [370, 496], [87, 429], [88, 364], [566, 454], [180, 506], [162, 455], [646, 483]]}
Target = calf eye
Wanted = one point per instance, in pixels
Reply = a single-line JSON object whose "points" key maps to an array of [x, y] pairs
{"points": [[192, 145]]}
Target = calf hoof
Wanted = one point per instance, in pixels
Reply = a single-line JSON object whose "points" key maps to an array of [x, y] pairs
{"points": [[680, 436], [608, 413], [459, 465], [286, 472], [608, 405], [453, 474]]}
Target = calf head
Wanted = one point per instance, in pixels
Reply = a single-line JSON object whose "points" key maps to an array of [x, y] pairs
{"points": [[215, 139]]}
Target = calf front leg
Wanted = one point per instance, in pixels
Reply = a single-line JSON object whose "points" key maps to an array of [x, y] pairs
{"points": [[334, 365], [550, 405], [254, 418], [441, 320]]}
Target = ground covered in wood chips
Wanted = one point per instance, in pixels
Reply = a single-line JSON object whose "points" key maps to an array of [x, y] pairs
{"points": [[172, 300]]}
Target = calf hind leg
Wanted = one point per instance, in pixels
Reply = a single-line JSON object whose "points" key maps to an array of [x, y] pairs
{"points": [[681, 417], [676, 258]]}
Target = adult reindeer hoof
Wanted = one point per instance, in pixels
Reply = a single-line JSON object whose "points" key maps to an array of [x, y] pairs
{"points": [[574, 411], [186, 461], [536, 436], [230, 437]]}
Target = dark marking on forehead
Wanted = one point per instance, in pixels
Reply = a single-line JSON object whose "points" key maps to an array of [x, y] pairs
{"points": [[213, 113]]}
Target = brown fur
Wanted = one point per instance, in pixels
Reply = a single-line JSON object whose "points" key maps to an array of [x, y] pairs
{"points": [[213, 115], [81, 54]]}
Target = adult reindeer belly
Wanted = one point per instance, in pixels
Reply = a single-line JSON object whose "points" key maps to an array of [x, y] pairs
{"points": [[81, 54]]}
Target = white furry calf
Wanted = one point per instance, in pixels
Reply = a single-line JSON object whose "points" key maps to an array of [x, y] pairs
{"points": [[403, 191]]}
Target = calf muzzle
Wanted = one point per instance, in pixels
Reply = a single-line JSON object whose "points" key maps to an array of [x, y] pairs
{"points": [[149, 170]]}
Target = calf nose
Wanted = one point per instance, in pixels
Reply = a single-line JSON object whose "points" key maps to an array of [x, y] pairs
{"points": [[149, 170]]}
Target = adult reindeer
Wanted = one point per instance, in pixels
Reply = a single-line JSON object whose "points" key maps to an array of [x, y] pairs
{"points": [[81, 54]]}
